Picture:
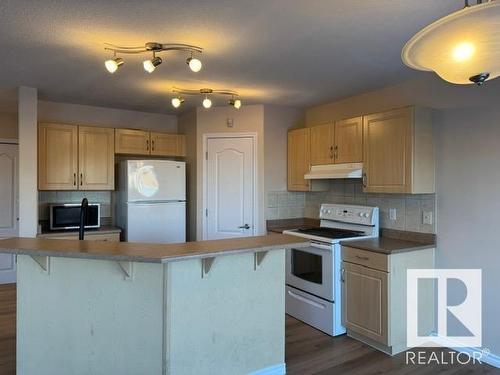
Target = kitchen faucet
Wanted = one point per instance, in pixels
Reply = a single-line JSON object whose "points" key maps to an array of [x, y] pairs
{"points": [[83, 218]]}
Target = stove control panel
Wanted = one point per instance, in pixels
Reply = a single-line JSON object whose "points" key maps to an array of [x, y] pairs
{"points": [[349, 213]]}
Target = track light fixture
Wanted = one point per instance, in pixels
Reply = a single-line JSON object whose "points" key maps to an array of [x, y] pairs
{"points": [[177, 101], [113, 64], [207, 93], [150, 65], [236, 103]]}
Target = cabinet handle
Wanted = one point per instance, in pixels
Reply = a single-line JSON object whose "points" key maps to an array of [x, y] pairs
{"points": [[147, 145], [153, 145], [362, 258], [81, 179], [336, 153], [342, 276], [74, 179], [331, 152], [364, 180]]}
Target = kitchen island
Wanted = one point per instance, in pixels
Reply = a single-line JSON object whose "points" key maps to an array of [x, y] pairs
{"points": [[208, 307]]}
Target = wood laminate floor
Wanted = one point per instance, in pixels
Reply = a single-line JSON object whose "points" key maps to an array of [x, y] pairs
{"points": [[308, 351]]}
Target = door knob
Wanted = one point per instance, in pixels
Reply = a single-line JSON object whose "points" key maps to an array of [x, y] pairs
{"points": [[246, 226]]}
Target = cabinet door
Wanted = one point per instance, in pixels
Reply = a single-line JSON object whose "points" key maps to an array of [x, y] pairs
{"points": [[132, 142], [96, 161], [349, 140], [163, 144], [365, 302], [322, 144], [388, 151], [57, 157], [298, 159]]}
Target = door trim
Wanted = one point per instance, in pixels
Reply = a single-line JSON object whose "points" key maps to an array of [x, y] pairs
{"points": [[206, 138]]}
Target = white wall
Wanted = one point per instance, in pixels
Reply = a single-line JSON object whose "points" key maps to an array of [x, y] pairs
{"points": [[105, 117], [468, 206], [277, 121], [247, 119], [28, 195], [187, 126]]}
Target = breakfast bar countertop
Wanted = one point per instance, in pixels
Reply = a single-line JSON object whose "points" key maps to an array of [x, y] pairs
{"points": [[146, 252]]}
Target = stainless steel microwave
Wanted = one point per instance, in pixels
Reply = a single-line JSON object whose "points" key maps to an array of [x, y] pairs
{"points": [[67, 216]]}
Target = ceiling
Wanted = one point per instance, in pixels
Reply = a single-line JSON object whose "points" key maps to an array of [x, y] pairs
{"points": [[286, 52]]}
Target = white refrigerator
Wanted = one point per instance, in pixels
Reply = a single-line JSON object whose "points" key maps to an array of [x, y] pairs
{"points": [[151, 201]]}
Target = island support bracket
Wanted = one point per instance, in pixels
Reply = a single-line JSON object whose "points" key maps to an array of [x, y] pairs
{"points": [[258, 258], [206, 265], [127, 269], [43, 261]]}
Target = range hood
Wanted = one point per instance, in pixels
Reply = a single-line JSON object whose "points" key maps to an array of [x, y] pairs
{"points": [[332, 171]]}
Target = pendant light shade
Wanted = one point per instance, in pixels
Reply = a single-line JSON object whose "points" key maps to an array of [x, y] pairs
{"points": [[462, 48]]}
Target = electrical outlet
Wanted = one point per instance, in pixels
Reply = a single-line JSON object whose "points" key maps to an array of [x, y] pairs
{"points": [[229, 122], [427, 217], [392, 214]]}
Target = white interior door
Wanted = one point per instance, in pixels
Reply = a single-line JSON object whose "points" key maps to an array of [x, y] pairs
{"points": [[9, 224], [230, 187]]}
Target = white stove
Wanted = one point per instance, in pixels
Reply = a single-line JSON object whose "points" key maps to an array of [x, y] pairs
{"points": [[313, 276]]}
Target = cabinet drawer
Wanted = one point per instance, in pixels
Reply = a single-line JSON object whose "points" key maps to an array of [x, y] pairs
{"points": [[365, 258]]}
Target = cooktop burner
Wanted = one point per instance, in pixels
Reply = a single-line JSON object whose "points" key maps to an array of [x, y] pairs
{"points": [[332, 233]]}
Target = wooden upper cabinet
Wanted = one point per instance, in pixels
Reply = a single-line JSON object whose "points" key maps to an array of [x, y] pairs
{"points": [[57, 157], [299, 143], [348, 145], [96, 149], [163, 144], [322, 137], [132, 142], [398, 152]]}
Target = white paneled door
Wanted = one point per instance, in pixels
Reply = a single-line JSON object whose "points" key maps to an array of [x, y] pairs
{"points": [[230, 186], [8, 208]]}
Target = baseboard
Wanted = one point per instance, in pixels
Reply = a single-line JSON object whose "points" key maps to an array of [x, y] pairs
{"points": [[271, 370], [489, 358]]}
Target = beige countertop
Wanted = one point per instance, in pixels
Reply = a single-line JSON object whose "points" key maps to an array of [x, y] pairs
{"points": [[145, 252], [105, 229], [394, 241]]}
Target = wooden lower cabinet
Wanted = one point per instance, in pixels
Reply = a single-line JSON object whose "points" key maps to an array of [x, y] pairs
{"points": [[365, 301], [374, 296]]}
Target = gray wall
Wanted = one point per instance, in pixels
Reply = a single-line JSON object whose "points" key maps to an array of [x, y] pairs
{"points": [[468, 209]]}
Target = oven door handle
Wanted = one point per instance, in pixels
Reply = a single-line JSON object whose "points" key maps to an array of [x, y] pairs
{"points": [[318, 245], [306, 300]]}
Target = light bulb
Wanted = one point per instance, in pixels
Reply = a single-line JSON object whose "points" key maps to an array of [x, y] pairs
{"points": [[236, 103], [150, 65], [463, 51], [194, 64], [112, 65], [176, 102], [207, 103]]}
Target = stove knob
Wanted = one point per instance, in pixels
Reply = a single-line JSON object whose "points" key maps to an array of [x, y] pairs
{"points": [[361, 214], [328, 211], [367, 214]]}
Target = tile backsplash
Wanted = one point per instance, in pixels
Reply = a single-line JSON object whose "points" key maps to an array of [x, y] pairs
{"points": [[46, 198], [409, 208]]}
